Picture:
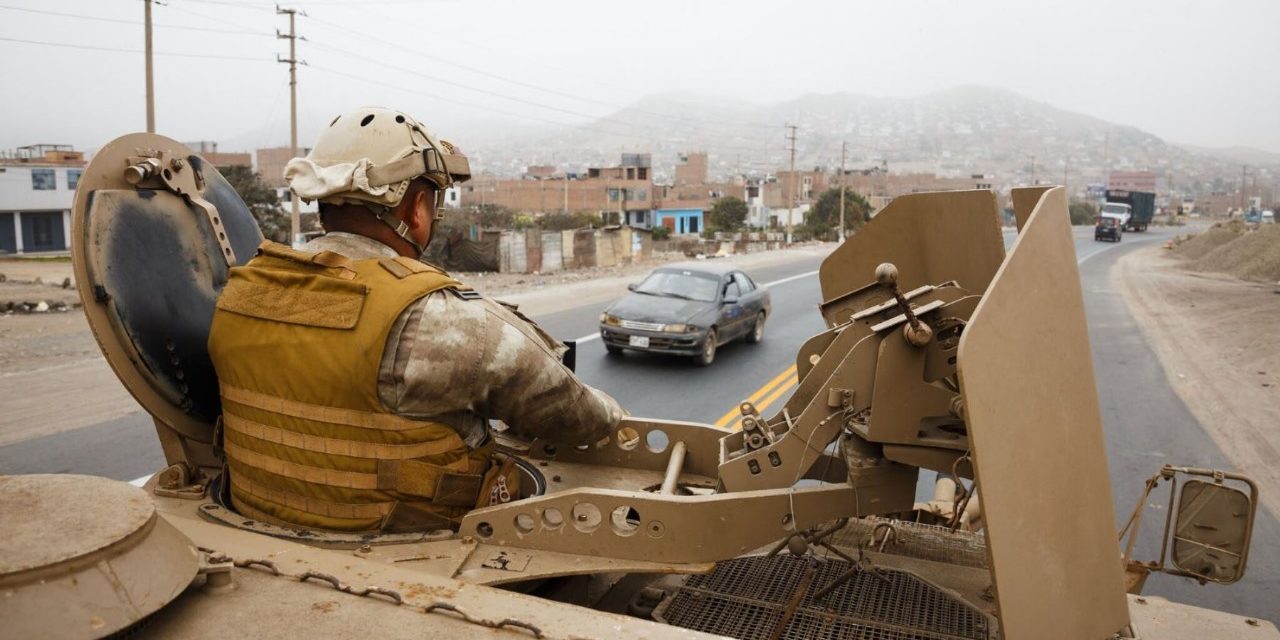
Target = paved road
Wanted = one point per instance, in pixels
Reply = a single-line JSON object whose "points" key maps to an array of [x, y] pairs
{"points": [[1146, 423]]}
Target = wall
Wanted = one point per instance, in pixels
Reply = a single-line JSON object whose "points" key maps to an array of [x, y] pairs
{"points": [[17, 194]]}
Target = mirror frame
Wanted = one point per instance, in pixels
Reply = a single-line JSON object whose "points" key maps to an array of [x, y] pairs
{"points": [[1166, 563]]}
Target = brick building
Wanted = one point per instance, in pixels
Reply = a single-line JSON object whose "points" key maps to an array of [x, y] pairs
{"points": [[209, 151], [879, 186], [621, 194], [1132, 181]]}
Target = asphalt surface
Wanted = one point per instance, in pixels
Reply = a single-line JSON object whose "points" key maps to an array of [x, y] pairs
{"points": [[1146, 423]]}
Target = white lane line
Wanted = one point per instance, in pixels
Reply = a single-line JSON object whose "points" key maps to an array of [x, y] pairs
{"points": [[596, 336], [1104, 249], [786, 280]]}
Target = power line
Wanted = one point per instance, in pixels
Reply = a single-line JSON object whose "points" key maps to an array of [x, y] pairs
{"points": [[460, 85], [133, 22], [473, 105], [347, 30], [122, 50]]}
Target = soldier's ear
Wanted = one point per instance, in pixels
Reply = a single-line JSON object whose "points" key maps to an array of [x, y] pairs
{"points": [[420, 209]]}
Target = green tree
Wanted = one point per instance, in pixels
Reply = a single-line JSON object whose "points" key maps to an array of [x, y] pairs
{"points": [[262, 201], [728, 214], [823, 218], [1082, 212]]}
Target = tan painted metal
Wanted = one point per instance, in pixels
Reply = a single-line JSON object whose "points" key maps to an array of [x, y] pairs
{"points": [[1030, 397], [184, 438], [83, 557], [684, 529], [930, 237], [963, 361], [1025, 200]]}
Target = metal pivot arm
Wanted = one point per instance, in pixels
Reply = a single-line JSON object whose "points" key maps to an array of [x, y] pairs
{"points": [[870, 380], [918, 334], [683, 529], [156, 170]]}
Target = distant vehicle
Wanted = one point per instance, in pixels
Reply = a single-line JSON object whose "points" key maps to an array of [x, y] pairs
{"points": [[1108, 227], [1255, 216], [1268, 217], [687, 308], [1136, 207]]}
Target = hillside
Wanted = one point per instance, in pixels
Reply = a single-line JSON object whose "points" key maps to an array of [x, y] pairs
{"points": [[960, 131]]}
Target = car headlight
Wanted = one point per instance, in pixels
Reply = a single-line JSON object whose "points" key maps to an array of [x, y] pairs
{"points": [[675, 328], [610, 320]]}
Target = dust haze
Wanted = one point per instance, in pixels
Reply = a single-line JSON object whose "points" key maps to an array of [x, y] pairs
{"points": [[1189, 72]]}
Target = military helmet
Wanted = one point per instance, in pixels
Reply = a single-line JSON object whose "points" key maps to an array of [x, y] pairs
{"points": [[370, 156]]}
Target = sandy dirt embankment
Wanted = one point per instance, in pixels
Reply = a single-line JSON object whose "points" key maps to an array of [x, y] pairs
{"points": [[1216, 337]]}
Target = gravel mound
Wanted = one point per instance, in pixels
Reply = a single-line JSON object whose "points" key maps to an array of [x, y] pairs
{"points": [[1196, 246], [1252, 255]]}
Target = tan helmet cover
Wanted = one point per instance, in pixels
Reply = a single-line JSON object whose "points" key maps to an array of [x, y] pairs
{"points": [[370, 155]]}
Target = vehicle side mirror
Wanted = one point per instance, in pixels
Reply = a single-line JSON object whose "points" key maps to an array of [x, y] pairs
{"points": [[730, 299], [1208, 528], [632, 287], [1212, 531]]}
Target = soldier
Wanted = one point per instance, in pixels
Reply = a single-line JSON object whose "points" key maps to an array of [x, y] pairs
{"points": [[357, 381]]}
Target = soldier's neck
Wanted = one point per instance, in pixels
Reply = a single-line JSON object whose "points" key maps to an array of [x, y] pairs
{"points": [[370, 227]]}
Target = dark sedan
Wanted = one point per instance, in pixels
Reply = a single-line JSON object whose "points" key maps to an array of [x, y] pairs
{"points": [[687, 308]]}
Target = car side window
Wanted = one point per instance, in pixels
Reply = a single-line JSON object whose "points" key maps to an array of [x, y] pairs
{"points": [[732, 289], [744, 283]]}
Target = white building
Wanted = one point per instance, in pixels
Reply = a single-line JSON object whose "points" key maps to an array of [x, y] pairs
{"points": [[37, 187]]}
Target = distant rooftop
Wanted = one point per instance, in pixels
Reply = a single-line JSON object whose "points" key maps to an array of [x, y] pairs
{"points": [[59, 154]]}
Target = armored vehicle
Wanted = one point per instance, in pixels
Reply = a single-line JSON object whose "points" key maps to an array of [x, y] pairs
{"points": [[941, 354]]}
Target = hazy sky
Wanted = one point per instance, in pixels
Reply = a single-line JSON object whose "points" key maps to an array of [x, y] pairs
{"points": [[1205, 73]]}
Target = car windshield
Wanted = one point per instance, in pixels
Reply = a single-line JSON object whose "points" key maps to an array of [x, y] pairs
{"points": [[1115, 208], [689, 285]]}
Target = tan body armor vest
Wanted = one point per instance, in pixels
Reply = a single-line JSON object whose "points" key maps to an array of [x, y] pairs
{"points": [[297, 341]]}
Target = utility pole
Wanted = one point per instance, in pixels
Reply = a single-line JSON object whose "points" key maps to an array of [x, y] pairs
{"points": [[295, 227], [843, 154], [791, 183], [1033, 170], [151, 95], [1243, 168]]}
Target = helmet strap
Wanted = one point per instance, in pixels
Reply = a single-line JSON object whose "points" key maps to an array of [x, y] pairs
{"points": [[387, 217]]}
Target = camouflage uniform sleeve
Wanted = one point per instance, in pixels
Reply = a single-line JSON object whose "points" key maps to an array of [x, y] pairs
{"points": [[479, 356]]}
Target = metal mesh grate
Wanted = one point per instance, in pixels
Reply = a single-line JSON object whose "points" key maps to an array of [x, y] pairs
{"points": [[749, 597], [923, 541]]}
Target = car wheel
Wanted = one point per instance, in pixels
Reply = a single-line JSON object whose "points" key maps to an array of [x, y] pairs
{"points": [[757, 331], [708, 354], [613, 351]]}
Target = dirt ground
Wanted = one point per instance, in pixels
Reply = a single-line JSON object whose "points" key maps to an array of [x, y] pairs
{"points": [[1216, 337]]}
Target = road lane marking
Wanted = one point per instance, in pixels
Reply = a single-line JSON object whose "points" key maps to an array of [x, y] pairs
{"points": [[733, 413], [798, 276], [777, 393], [596, 336], [1090, 255]]}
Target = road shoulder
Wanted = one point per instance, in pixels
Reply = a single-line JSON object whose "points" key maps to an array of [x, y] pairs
{"points": [[1215, 337]]}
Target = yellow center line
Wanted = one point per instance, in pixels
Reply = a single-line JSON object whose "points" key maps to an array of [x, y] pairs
{"points": [[732, 414], [777, 393]]}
